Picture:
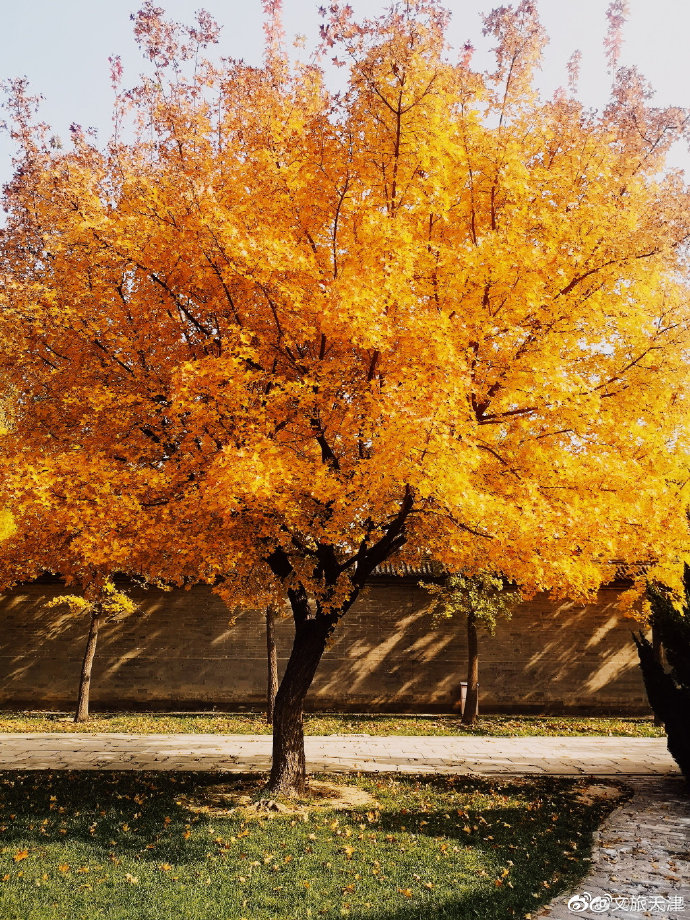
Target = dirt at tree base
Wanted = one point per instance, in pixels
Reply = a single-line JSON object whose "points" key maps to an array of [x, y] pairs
{"points": [[249, 799], [595, 793]]}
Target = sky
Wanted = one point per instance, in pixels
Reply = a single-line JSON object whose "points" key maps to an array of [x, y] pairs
{"points": [[63, 47]]}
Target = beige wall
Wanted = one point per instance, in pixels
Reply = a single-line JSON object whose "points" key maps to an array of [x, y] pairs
{"points": [[179, 652]]}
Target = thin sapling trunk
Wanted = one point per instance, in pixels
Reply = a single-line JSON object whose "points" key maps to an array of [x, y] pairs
{"points": [[469, 712], [82, 713], [101, 600]]}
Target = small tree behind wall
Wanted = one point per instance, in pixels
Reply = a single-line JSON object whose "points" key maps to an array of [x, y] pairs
{"points": [[100, 603], [482, 599], [272, 613], [271, 663]]}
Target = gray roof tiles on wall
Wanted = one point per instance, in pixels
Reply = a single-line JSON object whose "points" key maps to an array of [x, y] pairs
{"points": [[404, 570]]}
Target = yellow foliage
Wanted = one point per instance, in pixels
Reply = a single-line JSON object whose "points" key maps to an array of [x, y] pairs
{"points": [[7, 526], [267, 337], [106, 601]]}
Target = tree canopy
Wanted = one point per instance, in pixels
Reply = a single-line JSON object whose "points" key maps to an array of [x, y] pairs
{"points": [[432, 307]]}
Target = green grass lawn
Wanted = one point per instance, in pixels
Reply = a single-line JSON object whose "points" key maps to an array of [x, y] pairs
{"points": [[123, 846], [331, 723]]}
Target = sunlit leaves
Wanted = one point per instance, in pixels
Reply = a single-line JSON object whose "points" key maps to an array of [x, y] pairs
{"points": [[271, 318]]}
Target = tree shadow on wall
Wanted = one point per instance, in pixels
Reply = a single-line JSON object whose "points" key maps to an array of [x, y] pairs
{"points": [[548, 655], [179, 651]]}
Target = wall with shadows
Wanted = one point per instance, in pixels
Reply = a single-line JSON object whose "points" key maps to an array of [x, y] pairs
{"points": [[180, 652]]}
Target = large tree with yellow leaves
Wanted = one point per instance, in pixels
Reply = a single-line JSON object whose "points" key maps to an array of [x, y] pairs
{"points": [[269, 336]]}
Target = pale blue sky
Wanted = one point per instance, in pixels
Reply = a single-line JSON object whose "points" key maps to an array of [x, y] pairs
{"points": [[62, 47]]}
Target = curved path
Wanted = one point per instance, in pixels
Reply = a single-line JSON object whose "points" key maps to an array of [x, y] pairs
{"points": [[367, 753], [640, 861]]}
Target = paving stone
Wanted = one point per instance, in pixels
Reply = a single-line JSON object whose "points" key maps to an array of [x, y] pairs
{"points": [[453, 754]]}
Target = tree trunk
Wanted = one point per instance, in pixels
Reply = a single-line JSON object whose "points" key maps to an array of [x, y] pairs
{"points": [[659, 658], [82, 713], [271, 662], [288, 772], [469, 712]]}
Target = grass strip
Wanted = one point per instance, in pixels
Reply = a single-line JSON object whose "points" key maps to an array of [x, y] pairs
{"points": [[125, 846], [332, 723]]}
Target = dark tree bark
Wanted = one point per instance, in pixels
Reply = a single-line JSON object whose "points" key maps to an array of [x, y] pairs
{"points": [[670, 702], [288, 771], [658, 658], [82, 713], [469, 712], [271, 663], [312, 629]]}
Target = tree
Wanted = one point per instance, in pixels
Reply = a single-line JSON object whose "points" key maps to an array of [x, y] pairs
{"points": [[669, 692], [101, 602], [268, 336], [481, 599], [50, 539], [47, 542]]}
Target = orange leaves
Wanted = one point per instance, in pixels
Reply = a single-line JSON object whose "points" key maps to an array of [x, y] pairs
{"points": [[307, 321]]}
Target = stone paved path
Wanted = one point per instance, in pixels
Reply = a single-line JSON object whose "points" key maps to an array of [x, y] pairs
{"points": [[641, 858], [239, 753]]}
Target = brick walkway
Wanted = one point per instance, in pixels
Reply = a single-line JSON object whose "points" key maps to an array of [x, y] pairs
{"points": [[239, 753]]}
